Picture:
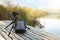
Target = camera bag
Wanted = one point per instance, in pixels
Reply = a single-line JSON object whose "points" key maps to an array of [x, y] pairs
{"points": [[20, 26]]}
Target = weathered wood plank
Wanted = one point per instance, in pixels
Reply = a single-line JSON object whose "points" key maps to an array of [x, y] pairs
{"points": [[30, 36], [17, 34], [4, 35], [12, 35], [33, 34], [1, 37], [49, 35]]}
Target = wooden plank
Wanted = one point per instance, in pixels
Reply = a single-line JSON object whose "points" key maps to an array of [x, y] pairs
{"points": [[30, 36], [5, 36], [12, 35], [24, 37], [40, 35], [19, 34], [33, 34], [46, 34], [52, 36], [1, 37], [43, 36]]}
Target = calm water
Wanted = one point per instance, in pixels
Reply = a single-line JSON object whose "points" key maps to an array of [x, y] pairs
{"points": [[51, 25]]}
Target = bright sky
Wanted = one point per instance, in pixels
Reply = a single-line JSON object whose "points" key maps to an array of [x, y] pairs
{"points": [[39, 3], [44, 4], [31, 3]]}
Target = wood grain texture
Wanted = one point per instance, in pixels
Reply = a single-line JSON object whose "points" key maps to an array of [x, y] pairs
{"points": [[33, 34]]}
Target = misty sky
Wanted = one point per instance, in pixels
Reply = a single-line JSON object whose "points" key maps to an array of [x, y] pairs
{"points": [[44, 4], [38, 3]]}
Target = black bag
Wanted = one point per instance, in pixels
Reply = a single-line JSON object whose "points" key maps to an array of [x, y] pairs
{"points": [[20, 27]]}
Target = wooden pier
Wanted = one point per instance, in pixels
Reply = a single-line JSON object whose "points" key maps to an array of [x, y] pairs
{"points": [[33, 34]]}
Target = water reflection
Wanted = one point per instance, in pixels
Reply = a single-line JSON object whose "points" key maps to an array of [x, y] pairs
{"points": [[51, 25]]}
